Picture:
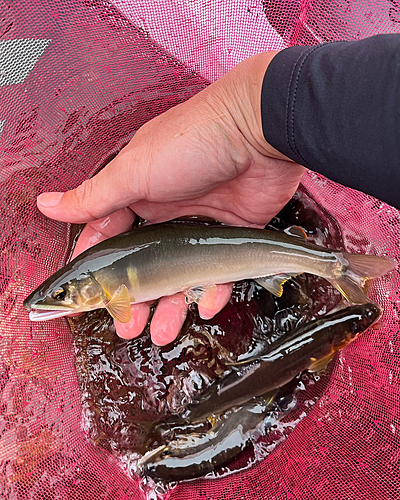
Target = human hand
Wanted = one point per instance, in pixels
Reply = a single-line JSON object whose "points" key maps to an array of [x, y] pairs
{"points": [[206, 156]]}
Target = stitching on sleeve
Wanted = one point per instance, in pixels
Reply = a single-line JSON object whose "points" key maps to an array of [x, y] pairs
{"points": [[295, 150], [290, 112], [303, 54]]}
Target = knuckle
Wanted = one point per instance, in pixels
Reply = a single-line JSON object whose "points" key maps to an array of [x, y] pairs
{"points": [[83, 192], [84, 199]]}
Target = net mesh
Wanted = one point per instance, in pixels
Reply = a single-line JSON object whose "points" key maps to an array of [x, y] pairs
{"points": [[77, 79]]}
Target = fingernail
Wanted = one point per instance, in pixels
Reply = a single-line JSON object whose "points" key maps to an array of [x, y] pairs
{"points": [[206, 314], [49, 200]]}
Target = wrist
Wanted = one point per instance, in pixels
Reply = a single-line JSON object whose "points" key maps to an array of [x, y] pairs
{"points": [[242, 93]]}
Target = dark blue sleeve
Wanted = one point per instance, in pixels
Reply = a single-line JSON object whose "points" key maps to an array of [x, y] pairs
{"points": [[335, 108]]}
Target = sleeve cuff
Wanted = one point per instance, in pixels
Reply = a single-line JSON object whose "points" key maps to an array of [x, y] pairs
{"points": [[278, 96]]}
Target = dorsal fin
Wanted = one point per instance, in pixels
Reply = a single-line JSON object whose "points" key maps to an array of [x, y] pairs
{"points": [[296, 231]]}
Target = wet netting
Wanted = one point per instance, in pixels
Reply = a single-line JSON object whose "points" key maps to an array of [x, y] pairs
{"points": [[77, 79]]}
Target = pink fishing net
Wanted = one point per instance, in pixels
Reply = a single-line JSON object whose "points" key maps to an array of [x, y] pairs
{"points": [[77, 79]]}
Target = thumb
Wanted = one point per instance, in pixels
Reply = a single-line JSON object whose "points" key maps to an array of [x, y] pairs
{"points": [[103, 194]]}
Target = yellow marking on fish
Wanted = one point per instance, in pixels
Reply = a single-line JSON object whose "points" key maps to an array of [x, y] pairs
{"points": [[212, 419], [107, 294], [270, 399], [132, 275]]}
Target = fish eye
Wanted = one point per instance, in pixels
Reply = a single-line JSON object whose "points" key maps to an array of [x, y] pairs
{"points": [[60, 294]]}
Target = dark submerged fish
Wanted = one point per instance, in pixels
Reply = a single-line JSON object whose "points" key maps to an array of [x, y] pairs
{"points": [[309, 347], [196, 454], [189, 454], [163, 259]]}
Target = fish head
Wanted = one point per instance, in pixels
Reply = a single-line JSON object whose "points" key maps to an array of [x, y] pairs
{"points": [[360, 317], [368, 314], [357, 318], [63, 296]]}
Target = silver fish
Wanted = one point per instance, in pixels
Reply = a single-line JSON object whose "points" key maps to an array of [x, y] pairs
{"points": [[162, 259]]}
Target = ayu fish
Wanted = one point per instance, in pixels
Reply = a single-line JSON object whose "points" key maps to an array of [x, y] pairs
{"points": [[162, 259], [237, 404], [196, 454], [309, 347]]}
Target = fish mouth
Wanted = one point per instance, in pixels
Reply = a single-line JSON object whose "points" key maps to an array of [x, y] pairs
{"points": [[38, 313]]}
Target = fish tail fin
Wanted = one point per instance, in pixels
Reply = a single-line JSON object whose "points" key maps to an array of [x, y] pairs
{"points": [[368, 266], [360, 269]]}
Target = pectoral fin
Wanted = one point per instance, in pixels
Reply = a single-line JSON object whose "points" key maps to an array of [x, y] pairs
{"points": [[319, 365], [119, 306], [274, 284]]}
